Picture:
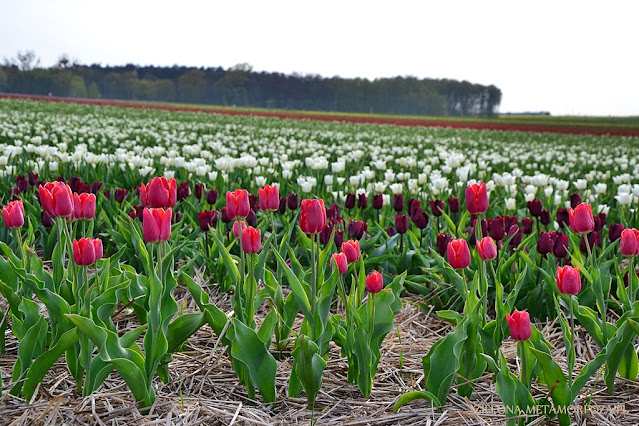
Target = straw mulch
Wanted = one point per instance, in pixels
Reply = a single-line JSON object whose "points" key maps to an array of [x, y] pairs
{"points": [[204, 389]]}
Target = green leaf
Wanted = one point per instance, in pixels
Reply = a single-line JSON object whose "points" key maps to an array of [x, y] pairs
{"points": [[248, 349], [296, 286], [412, 396], [560, 392], [308, 366], [513, 393], [231, 267]]}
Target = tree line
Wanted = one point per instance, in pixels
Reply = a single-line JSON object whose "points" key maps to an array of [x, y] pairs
{"points": [[241, 86]]}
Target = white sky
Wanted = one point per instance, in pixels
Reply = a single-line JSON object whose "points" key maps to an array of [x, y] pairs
{"points": [[566, 57]]}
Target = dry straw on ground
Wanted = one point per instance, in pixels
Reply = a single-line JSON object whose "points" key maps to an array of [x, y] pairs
{"points": [[204, 389]]}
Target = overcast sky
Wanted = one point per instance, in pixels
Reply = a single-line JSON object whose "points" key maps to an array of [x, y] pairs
{"points": [[566, 57]]}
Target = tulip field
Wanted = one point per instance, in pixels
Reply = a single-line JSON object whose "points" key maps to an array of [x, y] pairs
{"points": [[186, 268]]}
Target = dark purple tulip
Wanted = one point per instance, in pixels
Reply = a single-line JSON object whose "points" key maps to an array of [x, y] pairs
{"points": [[96, 186], [183, 191], [436, 207], [378, 201], [563, 217], [484, 227], [453, 205], [251, 219], [527, 225], [204, 220], [120, 194], [132, 214], [509, 221], [74, 183], [61, 179], [22, 183], [534, 207], [33, 179], [594, 239], [544, 244], [517, 234], [420, 219], [176, 217], [349, 203], [325, 234], [398, 202], [253, 203], [361, 201], [139, 210], [575, 200], [199, 190], [401, 223], [560, 246], [282, 207], [338, 239], [442, 243], [413, 206], [211, 196], [107, 194], [83, 188], [614, 231], [292, 201], [356, 229], [496, 229], [332, 212], [391, 231], [46, 219], [225, 216], [545, 217], [600, 221]]}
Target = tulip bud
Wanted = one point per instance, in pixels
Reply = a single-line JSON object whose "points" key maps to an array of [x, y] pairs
{"points": [[477, 198], [238, 228], [339, 259], [349, 203], [436, 207], [581, 220], [629, 243], [83, 206], [560, 246], [338, 239], [496, 229], [568, 280], [269, 198], [575, 200], [453, 205], [361, 201], [156, 225], [351, 249], [225, 216], [56, 198], [515, 234], [159, 193], [251, 240], [13, 214], [420, 219], [204, 220], [458, 253], [46, 219], [545, 217], [614, 231], [398, 202], [487, 249], [527, 225], [374, 282], [120, 194], [251, 218], [391, 231], [534, 207], [356, 229], [519, 325], [211, 196], [237, 204], [401, 223], [22, 183], [563, 218], [313, 216], [33, 179], [378, 201], [442, 243], [86, 251], [292, 201], [199, 190], [282, 206], [544, 244]]}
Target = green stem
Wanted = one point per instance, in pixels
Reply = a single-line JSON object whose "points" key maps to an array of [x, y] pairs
{"points": [[251, 292], [572, 344], [631, 280], [18, 235], [313, 286], [371, 323], [522, 351]]}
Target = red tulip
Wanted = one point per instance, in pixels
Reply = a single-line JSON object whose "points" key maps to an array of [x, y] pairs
{"points": [[13, 214], [340, 260], [87, 251], [269, 198], [581, 220], [156, 224], [568, 280], [487, 249], [351, 250], [519, 325], [56, 198], [238, 228], [237, 204], [477, 198], [313, 216], [458, 253], [83, 206], [159, 193], [374, 282], [251, 240], [629, 242]]}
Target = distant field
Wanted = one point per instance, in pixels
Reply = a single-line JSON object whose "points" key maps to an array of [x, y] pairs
{"points": [[620, 126]]}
